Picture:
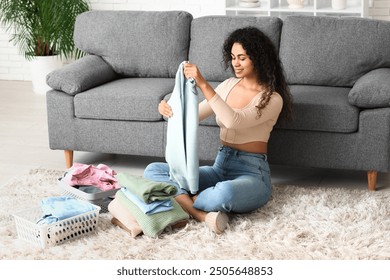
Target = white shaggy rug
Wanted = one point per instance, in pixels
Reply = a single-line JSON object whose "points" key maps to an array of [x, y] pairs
{"points": [[298, 223]]}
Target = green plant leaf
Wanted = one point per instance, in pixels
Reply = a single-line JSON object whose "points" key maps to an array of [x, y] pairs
{"points": [[42, 27]]}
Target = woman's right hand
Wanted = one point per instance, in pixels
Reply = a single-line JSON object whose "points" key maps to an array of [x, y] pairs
{"points": [[164, 109]]}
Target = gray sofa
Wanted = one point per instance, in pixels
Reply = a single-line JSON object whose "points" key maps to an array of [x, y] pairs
{"points": [[338, 70]]}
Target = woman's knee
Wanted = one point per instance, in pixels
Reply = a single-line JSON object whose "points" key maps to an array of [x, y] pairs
{"points": [[228, 197], [149, 169], [155, 169], [221, 197]]}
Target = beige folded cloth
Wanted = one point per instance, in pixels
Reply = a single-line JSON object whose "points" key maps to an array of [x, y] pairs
{"points": [[126, 219]]}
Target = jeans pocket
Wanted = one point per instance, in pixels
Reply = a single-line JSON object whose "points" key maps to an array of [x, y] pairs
{"points": [[264, 166], [265, 172], [266, 177]]}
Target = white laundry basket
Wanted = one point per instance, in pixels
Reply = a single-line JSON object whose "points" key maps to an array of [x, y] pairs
{"points": [[56, 233], [102, 198]]}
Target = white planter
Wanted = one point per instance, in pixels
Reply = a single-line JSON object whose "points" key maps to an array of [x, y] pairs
{"points": [[296, 4], [40, 67], [339, 4]]}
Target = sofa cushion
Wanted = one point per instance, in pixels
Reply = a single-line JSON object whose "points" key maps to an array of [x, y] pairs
{"points": [[318, 108], [372, 90], [87, 72], [131, 99], [333, 51], [209, 33], [136, 43]]}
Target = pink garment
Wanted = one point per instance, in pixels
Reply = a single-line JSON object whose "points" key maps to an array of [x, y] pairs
{"points": [[100, 176]]}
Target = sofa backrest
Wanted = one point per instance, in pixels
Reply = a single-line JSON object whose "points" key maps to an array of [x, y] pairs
{"points": [[136, 43], [332, 51], [209, 33]]}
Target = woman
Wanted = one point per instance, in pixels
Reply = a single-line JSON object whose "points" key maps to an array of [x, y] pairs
{"points": [[247, 107]]}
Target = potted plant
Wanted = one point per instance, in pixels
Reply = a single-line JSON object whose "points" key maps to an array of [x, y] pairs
{"points": [[43, 32]]}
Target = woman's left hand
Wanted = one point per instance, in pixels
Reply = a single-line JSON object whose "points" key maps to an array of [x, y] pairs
{"points": [[192, 71]]}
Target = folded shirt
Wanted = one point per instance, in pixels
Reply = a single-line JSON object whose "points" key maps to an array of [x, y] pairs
{"points": [[58, 208], [152, 225], [148, 208], [145, 189]]}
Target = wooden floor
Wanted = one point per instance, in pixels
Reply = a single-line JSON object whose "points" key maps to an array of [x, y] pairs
{"points": [[24, 145]]}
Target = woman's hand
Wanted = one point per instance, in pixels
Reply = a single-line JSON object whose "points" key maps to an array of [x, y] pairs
{"points": [[164, 109], [192, 71]]}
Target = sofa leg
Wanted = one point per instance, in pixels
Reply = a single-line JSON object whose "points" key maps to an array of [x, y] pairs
{"points": [[68, 158], [372, 178]]}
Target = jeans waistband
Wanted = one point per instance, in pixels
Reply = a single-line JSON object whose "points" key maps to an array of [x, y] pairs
{"points": [[236, 152]]}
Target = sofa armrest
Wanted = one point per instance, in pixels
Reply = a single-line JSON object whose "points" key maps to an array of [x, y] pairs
{"points": [[87, 72], [372, 90]]}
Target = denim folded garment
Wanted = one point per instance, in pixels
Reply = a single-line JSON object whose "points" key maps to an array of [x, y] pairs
{"points": [[62, 207]]}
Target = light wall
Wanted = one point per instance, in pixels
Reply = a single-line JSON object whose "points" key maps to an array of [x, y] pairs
{"points": [[14, 67]]}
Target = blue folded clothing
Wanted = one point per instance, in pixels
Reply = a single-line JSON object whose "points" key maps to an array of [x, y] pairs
{"points": [[62, 207], [148, 208]]}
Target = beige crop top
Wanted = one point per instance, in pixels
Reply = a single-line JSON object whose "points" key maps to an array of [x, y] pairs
{"points": [[242, 125]]}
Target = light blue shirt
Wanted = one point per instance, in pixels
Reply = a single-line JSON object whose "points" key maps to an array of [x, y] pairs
{"points": [[181, 151], [59, 208], [148, 208]]}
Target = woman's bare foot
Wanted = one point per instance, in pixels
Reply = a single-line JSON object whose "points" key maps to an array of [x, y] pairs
{"points": [[216, 221]]}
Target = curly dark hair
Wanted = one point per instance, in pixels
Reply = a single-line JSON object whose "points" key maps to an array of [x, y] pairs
{"points": [[266, 62]]}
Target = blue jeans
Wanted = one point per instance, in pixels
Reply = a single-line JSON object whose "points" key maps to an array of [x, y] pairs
{"points": [[238, 182]]}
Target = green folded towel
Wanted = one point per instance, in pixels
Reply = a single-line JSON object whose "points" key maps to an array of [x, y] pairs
{"points": [[153, 225], [145, 189]]}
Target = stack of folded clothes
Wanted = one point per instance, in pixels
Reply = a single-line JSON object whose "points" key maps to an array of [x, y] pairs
{"points": [[145, 206]]}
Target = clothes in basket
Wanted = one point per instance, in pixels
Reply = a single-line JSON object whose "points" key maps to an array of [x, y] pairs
{"points": [[100, 176], [62, 207]]}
